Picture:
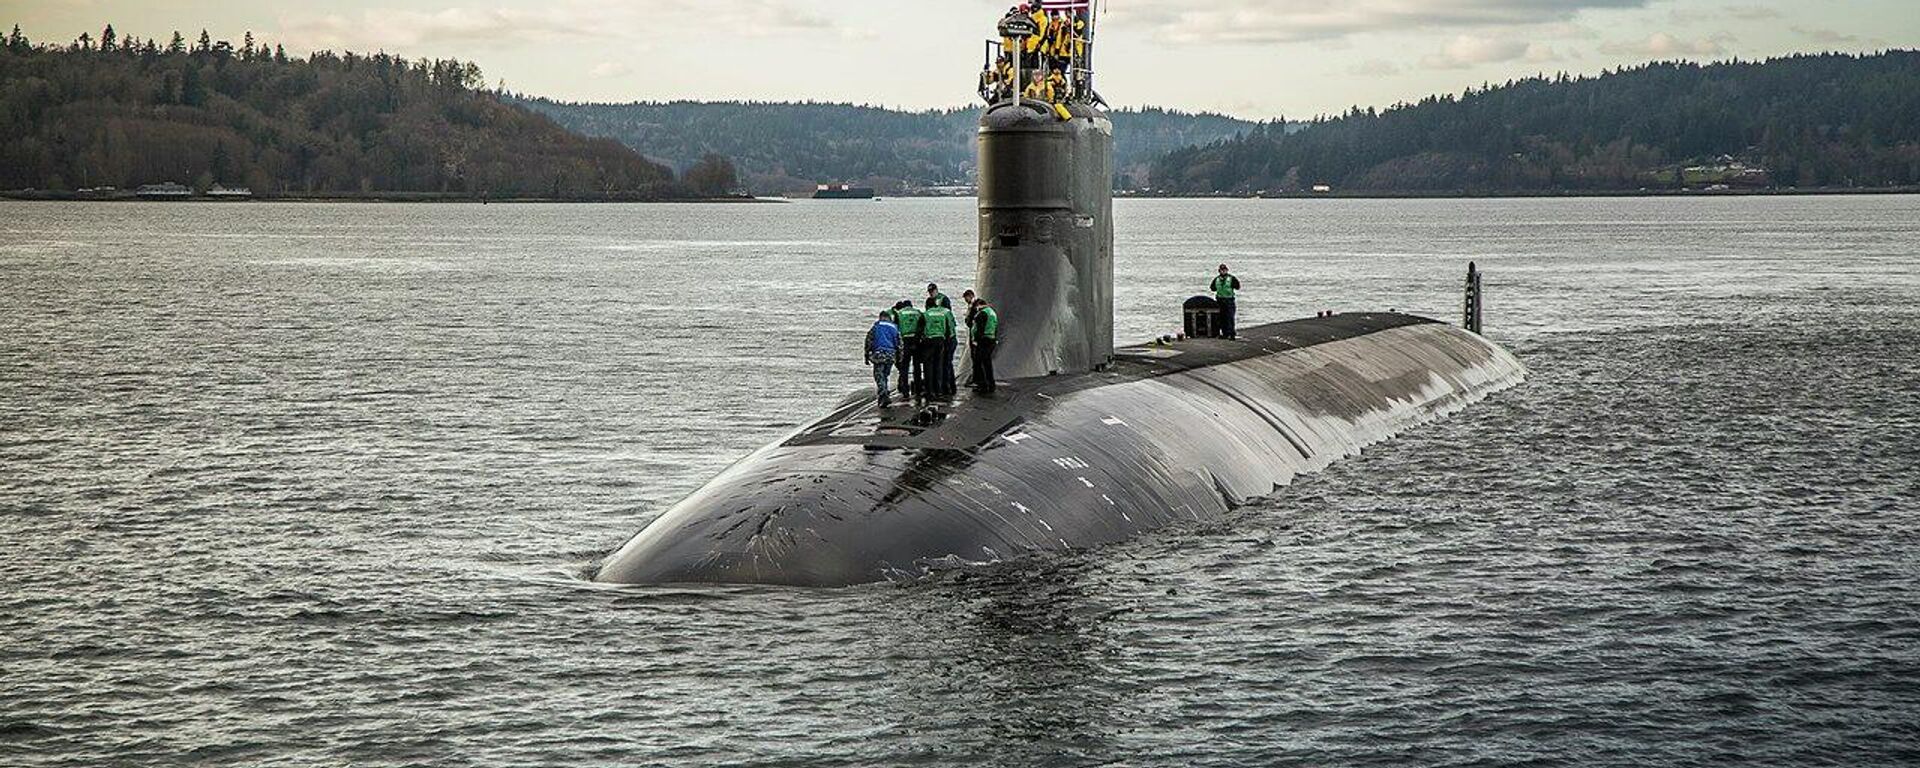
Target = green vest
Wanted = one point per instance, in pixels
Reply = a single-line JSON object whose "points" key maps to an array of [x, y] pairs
{"points": [[938, 324], [986, 324], [909, 320], [938, 300], [1223, 287]]}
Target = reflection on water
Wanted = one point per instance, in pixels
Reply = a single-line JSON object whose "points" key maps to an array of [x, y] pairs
{"points": [[292, 485]]}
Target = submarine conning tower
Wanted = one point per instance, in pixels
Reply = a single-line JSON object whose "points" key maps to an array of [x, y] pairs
{"points": [[1046, 194], [1046, 235]]}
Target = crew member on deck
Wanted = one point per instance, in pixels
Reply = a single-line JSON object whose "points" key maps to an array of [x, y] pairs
{"points": [[937, 299], [938, 338], [1225, 288], [883, 347], [913, 376], [985, 330], [966, 300]]}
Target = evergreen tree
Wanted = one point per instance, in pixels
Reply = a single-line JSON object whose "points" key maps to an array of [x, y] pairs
{"points": [[246, 46], [179, 44], [206, 43], [312, 125], [713, 176], [107, 39]]}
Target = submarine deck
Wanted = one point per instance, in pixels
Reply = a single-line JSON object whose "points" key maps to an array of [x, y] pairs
{"points": [[973, 419]]}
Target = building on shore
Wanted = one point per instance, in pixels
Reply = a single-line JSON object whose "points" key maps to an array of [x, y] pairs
{"points": [[229, 193]]}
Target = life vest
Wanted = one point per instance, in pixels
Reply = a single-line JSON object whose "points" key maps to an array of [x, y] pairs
{"points": [[938, 324], [909, 320], [1223, 286], [986, 324], [1041, 23], [1041, 89], [1060, 38]]}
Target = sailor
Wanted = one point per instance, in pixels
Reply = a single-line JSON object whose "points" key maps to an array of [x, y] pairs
{"points": [[937, 299], [984, 326], [1225, 287], [1036, 45], [883, 347], [1041, 89], [939, 339], [966, 300], [913, 377], [1008, 44], [1060, 41]]}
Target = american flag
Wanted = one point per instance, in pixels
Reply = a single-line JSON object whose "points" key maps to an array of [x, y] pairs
{"points": [[1066, 5]]}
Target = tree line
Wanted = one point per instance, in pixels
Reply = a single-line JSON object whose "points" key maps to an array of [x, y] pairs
{"points": [[1826, 120], [791, 146], [122, 111]]}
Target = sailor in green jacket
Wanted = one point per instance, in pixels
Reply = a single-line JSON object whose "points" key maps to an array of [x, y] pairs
{"points": [[986, 335], [937, 339], [913, 377], [1224, 289]]}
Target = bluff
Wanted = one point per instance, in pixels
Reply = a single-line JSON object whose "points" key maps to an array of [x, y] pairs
{"points": [[120, 111], [1827, 120]]}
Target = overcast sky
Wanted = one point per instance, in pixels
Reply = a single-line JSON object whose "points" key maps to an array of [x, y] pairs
{"points": [[1252, 58]]}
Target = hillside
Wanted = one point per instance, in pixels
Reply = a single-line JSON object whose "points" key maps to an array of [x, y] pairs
{"points": [[791, 146], [1805, 121], [123, 112]]}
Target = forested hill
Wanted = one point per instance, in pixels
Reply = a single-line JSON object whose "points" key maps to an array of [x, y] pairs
{"points": [[791, 146], [121, 111], [1804, 121]]}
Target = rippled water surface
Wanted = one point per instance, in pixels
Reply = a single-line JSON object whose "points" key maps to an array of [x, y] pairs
{"points": [[316, 484]]}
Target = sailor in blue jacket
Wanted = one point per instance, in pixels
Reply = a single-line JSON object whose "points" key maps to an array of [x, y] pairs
{"points": [[883, 346]]}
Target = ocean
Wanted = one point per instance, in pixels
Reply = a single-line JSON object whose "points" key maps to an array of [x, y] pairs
{"points": [[320, 484]]}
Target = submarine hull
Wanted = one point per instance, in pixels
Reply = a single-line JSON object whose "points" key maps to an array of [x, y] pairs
{"points": [[1165, 435]]}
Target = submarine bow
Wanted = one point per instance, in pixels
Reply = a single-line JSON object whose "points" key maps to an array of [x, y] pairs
{"points": [[1164, 435]]}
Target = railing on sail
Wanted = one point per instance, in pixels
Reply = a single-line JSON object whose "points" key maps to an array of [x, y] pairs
{"points": [[1019, 27]]}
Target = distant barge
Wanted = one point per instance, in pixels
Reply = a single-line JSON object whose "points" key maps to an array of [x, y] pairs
{"points": [[842, 192]]}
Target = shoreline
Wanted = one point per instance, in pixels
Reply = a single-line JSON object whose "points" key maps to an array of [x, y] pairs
{"points": [[1528, 194], [425, 197], [371, 197]]}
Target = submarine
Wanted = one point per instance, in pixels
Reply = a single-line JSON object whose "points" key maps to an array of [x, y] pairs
{"points": [[1083, 444]]}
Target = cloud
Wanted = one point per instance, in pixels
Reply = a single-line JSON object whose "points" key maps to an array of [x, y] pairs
{"points": [[1375, 68], [1182, 22], [1471, 50], [1662, 45], [1725, 12], [1826, 36], [569, 20], [609, 69]]}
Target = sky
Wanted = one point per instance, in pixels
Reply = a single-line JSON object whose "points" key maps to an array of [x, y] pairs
{"points": [[1257, 59]]}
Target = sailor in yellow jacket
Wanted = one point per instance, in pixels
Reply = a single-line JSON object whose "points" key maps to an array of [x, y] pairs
{"points": [[1060, 41], [1037, 43]]}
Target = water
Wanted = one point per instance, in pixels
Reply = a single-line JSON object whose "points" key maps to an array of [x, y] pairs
{"points": [[315, 484]]}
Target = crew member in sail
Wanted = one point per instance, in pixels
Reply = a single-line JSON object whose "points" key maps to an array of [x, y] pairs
{"points": [[1036, 45], [1225, 288]]}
